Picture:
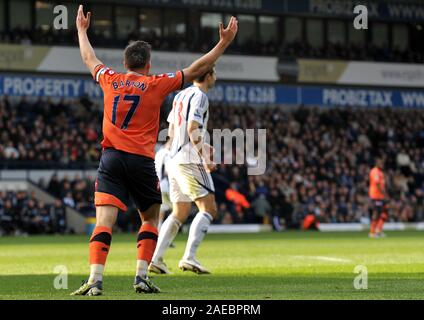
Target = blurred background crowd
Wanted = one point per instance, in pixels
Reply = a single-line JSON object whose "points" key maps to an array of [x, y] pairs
{"points": [[21, 213], [296, 48], [318, 161], [44, 134]]}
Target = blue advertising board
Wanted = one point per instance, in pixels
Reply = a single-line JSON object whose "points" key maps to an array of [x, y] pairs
{"points": [[226, 93], [316, 95], [48, 86]]}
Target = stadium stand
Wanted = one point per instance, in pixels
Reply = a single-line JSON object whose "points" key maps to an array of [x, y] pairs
{"points": [[175, 42], [22, 213], [318, 160], [30, 133]]}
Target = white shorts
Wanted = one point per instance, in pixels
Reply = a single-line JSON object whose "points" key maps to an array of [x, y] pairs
{"points": [[189, 182]]}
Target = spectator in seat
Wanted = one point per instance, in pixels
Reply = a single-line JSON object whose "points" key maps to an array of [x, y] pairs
{"points": [[58, 214], [261, 209]]}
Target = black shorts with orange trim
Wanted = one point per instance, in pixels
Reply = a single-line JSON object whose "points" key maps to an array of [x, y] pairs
{"points": [[379, 206], [123, 176]]}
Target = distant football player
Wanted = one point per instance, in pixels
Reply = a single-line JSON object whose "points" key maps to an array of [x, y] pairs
{"points": [[132, 102], [189, 174], [378, 196]]}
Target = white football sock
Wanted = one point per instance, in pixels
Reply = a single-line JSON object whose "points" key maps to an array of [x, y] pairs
{"points": [[96, 273], [142, 268], [167, 234], [198, 229], [161, 220]]}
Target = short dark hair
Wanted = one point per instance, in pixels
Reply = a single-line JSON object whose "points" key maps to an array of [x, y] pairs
{"points": [[202, 78], [137, 55]]}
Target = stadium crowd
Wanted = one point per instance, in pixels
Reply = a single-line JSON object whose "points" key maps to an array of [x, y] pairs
{"points": [[76, 192], [252, 46], [318, 160], [21, 213], [45, 134]]}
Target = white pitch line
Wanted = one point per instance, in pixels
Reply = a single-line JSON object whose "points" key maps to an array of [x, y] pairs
{"points": [[323, 258]]}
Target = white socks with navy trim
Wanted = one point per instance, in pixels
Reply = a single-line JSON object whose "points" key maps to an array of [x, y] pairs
{"points": [[167, 234], [198, 229]]}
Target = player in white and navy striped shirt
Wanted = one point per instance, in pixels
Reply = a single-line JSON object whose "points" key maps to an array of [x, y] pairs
{"points": [[189, 174]]}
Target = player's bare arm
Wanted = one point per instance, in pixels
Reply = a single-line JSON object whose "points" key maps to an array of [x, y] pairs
{"points": [[202, 65], [200, 145], [195, 137], [87, 52]]}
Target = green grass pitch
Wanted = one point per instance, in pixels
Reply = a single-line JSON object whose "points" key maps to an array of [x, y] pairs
{"points": [[291, 265]]}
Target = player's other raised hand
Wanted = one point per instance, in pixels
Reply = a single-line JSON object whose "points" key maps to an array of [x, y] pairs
{"points": [[228, 34], [83, 22]]}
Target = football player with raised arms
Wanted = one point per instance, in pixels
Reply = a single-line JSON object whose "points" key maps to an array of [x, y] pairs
{"points": [[132, 102]]}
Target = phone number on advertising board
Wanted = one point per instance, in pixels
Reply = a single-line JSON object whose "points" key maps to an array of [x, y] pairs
{"points": [[243, 94]]}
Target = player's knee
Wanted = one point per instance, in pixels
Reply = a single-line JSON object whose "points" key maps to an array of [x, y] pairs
{"points": [[208, 204], [106, 216], [181, 211], [151, 214], [180, 218], [213, 211]]}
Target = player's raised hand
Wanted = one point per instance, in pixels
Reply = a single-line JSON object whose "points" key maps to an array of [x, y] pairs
{"points": [[228, 34], [83, 22], [211, 167]]}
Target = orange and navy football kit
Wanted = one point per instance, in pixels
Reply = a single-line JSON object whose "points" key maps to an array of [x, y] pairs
{"points": [[131, 117], [376, 195], [378, 200]]}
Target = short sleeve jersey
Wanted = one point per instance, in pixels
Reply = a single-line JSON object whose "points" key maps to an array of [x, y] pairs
{"points": [[189, 105], [132, 105], [376, 178]]}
